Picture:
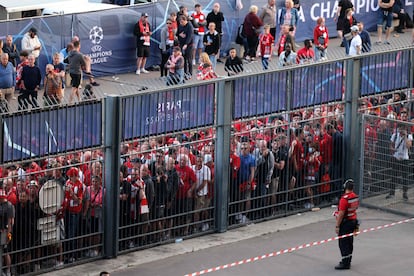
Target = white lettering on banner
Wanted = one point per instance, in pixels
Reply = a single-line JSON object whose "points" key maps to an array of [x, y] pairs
{"points": [[168, 106], [328, 9], [98, 55], [165, 117]]}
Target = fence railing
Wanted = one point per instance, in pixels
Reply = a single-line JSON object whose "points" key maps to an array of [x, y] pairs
{"points": [[187, 160]]}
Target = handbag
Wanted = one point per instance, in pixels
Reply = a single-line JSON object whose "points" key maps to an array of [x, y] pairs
{"points": [[348, 36]]}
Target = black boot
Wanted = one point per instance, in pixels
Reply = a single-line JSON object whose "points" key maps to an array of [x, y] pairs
{"points": [[342, 266]]}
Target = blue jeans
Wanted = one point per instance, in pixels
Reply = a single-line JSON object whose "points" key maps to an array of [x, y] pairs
{"points": [[346, 44], [213, 60], [265, 63]]}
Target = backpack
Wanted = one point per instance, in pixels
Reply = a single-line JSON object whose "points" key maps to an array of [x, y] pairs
{"points": [[240, 35]]}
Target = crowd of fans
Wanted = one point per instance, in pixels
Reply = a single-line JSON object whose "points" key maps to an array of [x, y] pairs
{"points": [[167, 183]]}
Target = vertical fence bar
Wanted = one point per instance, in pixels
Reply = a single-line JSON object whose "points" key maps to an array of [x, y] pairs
{"points": [[112, 140], [352, 126], [224, 94]]}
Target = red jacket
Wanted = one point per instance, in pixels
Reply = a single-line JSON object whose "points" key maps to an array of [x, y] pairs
{"points": [[251, 22], [69, 202]]}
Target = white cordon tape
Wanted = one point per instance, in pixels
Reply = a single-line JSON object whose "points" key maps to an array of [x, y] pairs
{"points": [[274, 254]]}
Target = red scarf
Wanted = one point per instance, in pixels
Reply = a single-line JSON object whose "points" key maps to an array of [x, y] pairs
{"points": [[170, 40], [144, 29]]}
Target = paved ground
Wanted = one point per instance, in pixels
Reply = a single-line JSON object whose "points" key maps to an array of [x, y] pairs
{"points": [[382, 252], [125, 84]]}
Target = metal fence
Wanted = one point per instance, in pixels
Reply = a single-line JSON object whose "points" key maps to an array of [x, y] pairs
{"points": [[143, 147], [387, 156]]}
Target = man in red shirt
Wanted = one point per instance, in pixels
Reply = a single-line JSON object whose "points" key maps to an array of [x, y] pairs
{"points": [[346, 223], [72, 204], [186, 189], [305, 54]]}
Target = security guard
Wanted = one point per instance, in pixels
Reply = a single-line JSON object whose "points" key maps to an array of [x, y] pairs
{"points": [[346, 223]]}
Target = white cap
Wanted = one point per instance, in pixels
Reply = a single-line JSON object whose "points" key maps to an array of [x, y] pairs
{"points": [[354, 28]]}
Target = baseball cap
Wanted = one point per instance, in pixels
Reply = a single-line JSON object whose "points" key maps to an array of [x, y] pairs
{"points": [[354, 28], [145, 14]]}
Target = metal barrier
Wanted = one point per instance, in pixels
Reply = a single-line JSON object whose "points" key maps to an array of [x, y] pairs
{"points": [[307, 115], [387, 158]]}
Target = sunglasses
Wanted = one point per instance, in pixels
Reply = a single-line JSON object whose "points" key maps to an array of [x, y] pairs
{"points": [[169, 23]]}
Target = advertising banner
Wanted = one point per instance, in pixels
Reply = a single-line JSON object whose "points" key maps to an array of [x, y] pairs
{"points": [[163, 112], [47, 132]]}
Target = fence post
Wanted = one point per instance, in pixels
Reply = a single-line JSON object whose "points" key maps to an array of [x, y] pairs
{"points": [[112, 140], [224, 92], [352, 125]]}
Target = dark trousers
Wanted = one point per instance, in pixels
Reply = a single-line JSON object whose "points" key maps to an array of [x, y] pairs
{"points": [[400, 174], [252, 42], [27, 97], [188, 59], [164, 58], [346, 245]]}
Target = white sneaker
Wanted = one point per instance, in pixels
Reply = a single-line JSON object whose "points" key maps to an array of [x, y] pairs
{"points": [[144, 71], [194, 63], [239, 217], [137, 72], [59, 264], [93, 253], [205, 227]]}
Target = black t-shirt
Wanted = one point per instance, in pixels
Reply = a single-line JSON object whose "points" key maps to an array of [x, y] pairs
{"points": [[344, 4]]}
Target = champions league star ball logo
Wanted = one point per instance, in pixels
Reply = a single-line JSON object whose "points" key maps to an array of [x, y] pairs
{"points": [[96, 35]]}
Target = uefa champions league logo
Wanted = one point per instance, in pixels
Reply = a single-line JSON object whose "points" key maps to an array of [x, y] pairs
{"points": [[96, 35]]}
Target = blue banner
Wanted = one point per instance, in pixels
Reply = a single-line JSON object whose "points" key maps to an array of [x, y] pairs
{"points": [[163, 112], [385, 73], [260, 94], [47, 132], [317, 84]]}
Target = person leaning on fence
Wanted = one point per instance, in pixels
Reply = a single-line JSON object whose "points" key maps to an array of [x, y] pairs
{"points": [[205, 69], [234, 64], [52, 94], [306, 53], [287, 57]]}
